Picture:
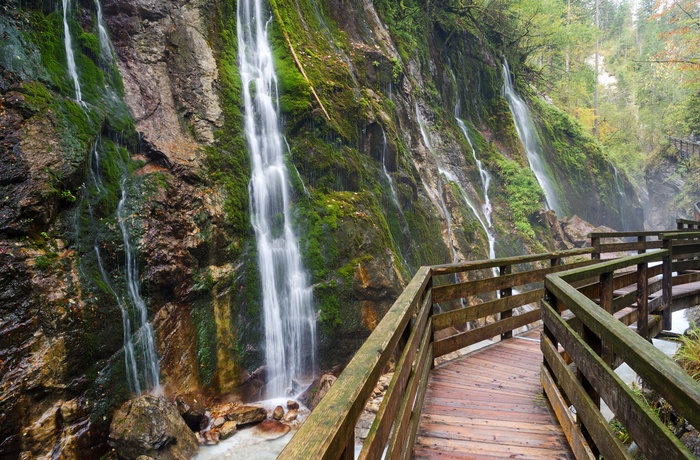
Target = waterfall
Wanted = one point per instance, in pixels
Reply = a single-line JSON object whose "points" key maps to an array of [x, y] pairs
{"points": [[389, 180], [132, 375], [130, 362], [145, 340], [528, 136], [68, 42], [290, 326], [622, 201], [105, 43]]}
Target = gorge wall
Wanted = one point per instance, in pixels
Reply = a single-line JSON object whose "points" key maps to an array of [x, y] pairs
{"points": [[384, 181]]}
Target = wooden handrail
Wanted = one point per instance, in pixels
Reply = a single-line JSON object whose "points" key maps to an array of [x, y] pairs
{"points": [[449, 269], [329, 431], [597, 342]]}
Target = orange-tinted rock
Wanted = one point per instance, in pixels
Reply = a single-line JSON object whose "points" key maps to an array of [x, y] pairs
{"points": [[272, 429], [245, 415]]}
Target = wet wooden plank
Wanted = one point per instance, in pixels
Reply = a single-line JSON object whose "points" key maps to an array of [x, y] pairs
{"points": [[489, 405]]}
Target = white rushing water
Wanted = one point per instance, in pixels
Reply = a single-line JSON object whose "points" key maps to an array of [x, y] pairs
{"points": [[68, 42], [528, 136], [145, 337], [290, 325], [105, 43]]}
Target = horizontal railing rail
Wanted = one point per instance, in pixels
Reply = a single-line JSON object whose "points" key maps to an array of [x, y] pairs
{"points": [[582, 351]]}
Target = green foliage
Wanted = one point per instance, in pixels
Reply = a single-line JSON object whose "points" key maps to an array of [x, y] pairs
{"points": [[688, 354]]}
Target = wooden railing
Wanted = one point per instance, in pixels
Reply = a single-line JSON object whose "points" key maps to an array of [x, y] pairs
{"points": [[414, 332], [685, 147], [586, 312]]}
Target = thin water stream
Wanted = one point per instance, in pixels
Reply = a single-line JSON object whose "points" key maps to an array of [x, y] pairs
{"points": [[440, 184], [528, 136], [145, 337], [105, 42], [70, 57]]}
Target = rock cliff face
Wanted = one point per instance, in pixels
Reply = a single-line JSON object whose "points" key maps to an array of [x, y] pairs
{"points": [[386, 183], [672, 188]]}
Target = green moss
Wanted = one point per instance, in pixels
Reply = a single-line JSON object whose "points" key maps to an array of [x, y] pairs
{"points": [[47, 34], [523, 193], [46, 261]]}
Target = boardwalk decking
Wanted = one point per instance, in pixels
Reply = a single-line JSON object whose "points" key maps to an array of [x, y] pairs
{"points": [[489, 405]]}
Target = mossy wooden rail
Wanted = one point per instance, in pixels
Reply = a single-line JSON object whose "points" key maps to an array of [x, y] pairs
{"points": [[586, 312], [408, 333]]}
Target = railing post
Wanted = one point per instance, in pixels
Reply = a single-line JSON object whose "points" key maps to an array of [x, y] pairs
{"points": [[595, 343], [606, 303], [595, 243], [667, 285], [507, 292], [642, 301]]}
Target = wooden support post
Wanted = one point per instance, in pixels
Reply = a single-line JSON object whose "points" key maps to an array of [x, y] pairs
{"points": [[553, 301], [667, 285], [641, 239], [502, 271], [594, 342], [642, 301], [606, 303], [595, 243]]}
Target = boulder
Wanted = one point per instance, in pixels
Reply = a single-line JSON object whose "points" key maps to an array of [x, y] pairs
{"points": [[218, 422], [192, 410], [278, 413], [317, 390], [290, 416], [292, 405], [271, 429], [151, 426], [228, 429], [245, 415]]}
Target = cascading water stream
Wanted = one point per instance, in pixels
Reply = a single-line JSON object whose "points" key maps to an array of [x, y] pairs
{"points": [[622, 201], [68, 42], [389, 180], [145, 340], [105, 43], [440, 185], [290, 326], [132, 374], [528, 136], [130, 362]]}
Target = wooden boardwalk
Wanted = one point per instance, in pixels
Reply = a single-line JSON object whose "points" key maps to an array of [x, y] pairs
{"points": [[489, 405]]}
